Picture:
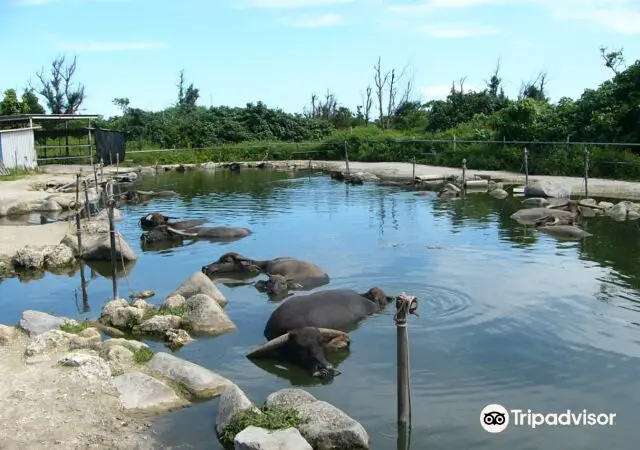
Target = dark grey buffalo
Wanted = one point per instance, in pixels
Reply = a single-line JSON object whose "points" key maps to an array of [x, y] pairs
{"points": [[164, 233], [155, 219], [304, 327], [284, 273]]}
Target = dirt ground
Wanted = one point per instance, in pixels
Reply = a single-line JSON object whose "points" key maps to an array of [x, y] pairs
{"points": [[46, 406]]}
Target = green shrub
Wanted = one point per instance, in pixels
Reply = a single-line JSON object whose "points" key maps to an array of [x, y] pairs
{"points": [[270, 418]]}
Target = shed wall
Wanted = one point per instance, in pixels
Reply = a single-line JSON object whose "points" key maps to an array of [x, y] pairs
{"points": [[18, 150]]}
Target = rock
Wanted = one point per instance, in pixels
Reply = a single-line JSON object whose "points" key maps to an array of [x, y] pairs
{"points": [[57, 340], [142, 304], [209, 166], [128, 177], [536, 201], [254, 438], [118, 357], [7, 334], [118, 313], [50, 205], [91, 368], [605, 205], [176, 338], [37, 322], [160, 324], [203, 314], [618, 212], [104, 215], [200, 382], [58, 256], [199, 283], [29, 257], [131, 344], [97, 247], [499, 194], [75, 359], [173, 301], [546, 189], [326, 426], [142, 393], [232, 401], [633, 215]]}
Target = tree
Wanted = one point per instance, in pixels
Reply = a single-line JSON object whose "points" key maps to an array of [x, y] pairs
{"points": [[188, 97], [380, 80], [59, 92], [122, 103], [613, 60], [28, 104]]}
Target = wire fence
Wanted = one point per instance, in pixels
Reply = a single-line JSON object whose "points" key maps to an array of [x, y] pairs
{"points": [[606, 159]]}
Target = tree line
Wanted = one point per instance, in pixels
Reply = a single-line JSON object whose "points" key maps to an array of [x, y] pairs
{"points": [[389, 108]]}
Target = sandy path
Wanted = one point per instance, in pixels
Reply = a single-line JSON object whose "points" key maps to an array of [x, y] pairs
{"points": [[45, 406]]}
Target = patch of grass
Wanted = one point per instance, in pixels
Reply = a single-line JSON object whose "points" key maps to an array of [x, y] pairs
{"points": [[16, 174], [142, 355], [176, 311], [74, 329], [270, 418]]}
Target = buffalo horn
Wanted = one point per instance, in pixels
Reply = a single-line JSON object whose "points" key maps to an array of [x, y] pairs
{"points": [[274, 344], [181, 233]]}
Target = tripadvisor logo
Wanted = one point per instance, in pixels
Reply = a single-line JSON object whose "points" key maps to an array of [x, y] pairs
{"points": [[495, 418]]}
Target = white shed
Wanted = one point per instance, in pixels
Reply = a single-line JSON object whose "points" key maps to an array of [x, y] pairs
{"points": [[17, 149]]}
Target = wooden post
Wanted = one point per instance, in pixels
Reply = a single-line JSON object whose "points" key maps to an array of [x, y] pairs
{"points": [[586, 173], [111, 203], [87, 209], [346, 157], [414, 169], [526, 167], [83, 287], [101, 170], [78, 175], [78, 229], [464, 172], [117, 163], [405, 305], [454, 143]]}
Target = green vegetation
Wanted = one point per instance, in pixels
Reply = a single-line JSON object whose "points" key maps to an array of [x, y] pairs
{"points": [[151, 312], [74, 328], [270, 418], [486, 127], [16, 174], [142, 355]]}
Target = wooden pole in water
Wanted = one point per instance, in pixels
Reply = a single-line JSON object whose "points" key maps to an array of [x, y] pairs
{"points": [[83, 287], [78, 175], [111, 203], [414, 169], [346, 157], [78, 229], [87, 210], [464, 172], [586, 172], [405, 305], [526, 167]]}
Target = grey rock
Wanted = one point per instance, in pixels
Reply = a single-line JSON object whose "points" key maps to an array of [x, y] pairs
{"points": [[97, 246], [76, 359], [7, 334], [535, 201], [203, 314], [160, 324], [173, 301], [142, 393], [199, 283], [200, 382], [176, 338], [118, 313], [254, 438], [131, 344], [618, 212], [326, 427], [58, 256], [103, 214], [37, 322], [56, 340], [499, 193], [29, 257], [232, 401]]}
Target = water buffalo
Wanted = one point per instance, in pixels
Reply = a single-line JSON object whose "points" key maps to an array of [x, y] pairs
{"points": [[284, 272], [449, 191], [141, 196], [530, 216], [562, 228], [305, 347], [170, 232], [303, 328], [154, 219]]}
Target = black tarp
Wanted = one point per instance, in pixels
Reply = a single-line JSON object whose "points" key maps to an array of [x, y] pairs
{"points": [[110, 146]]}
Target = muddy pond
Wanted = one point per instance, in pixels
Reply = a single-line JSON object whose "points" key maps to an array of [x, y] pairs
{"points": [[507, 315]]}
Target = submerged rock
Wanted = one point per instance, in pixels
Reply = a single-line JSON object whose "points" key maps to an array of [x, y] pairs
{"points": [[499, 193], [176, 338], [232, 401], [198, 381], [326, 426], [140, 392], [255, 438]]}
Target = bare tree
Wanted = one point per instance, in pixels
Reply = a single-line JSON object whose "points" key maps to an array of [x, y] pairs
{"points": [[408, 90], [188, 97], [59, 92], [535, 89], [380, 81], [613, 60], [368, 102]]}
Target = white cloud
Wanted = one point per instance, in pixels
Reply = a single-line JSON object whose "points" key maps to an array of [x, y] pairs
{"points": [[292, 3], [92, 47], [321, 21]]}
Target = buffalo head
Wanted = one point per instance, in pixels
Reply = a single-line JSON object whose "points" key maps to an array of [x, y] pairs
{"points": [[377, 296], [153, 220], [163, 233], [305, 347], [277, 285], [232, 262]]}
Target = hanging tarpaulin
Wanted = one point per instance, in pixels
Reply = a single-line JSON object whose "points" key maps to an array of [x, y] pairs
{"points": [[110, 146]]}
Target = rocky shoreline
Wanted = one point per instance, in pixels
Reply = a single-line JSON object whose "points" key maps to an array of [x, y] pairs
{"points": [[125, 382]]}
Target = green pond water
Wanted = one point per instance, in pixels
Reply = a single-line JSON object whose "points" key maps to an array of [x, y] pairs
{"points": [[507, 315]]}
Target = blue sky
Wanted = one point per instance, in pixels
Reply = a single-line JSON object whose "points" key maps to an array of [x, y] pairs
{"points": [[280, 51]]}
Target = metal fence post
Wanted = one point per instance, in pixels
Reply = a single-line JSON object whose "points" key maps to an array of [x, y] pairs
{"points": [[405, 305]]}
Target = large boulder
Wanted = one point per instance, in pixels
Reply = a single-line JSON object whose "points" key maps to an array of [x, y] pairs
{"points": [[325, 426], [37, 322], [197, 380], [203, 314], [199, 283], [160, 324], [232, 401], [120, 314], [97, 247], [56, 340], [255, 438], [546, 189], [43, 256], [141, 393]]}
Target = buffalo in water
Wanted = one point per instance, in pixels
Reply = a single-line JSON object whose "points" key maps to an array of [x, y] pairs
{"points": [[303, 328], [284, 273], [154, 219], [191, 230]]}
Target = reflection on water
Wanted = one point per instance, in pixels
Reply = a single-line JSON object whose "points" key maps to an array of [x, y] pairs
{"points": [[507, 315]]}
